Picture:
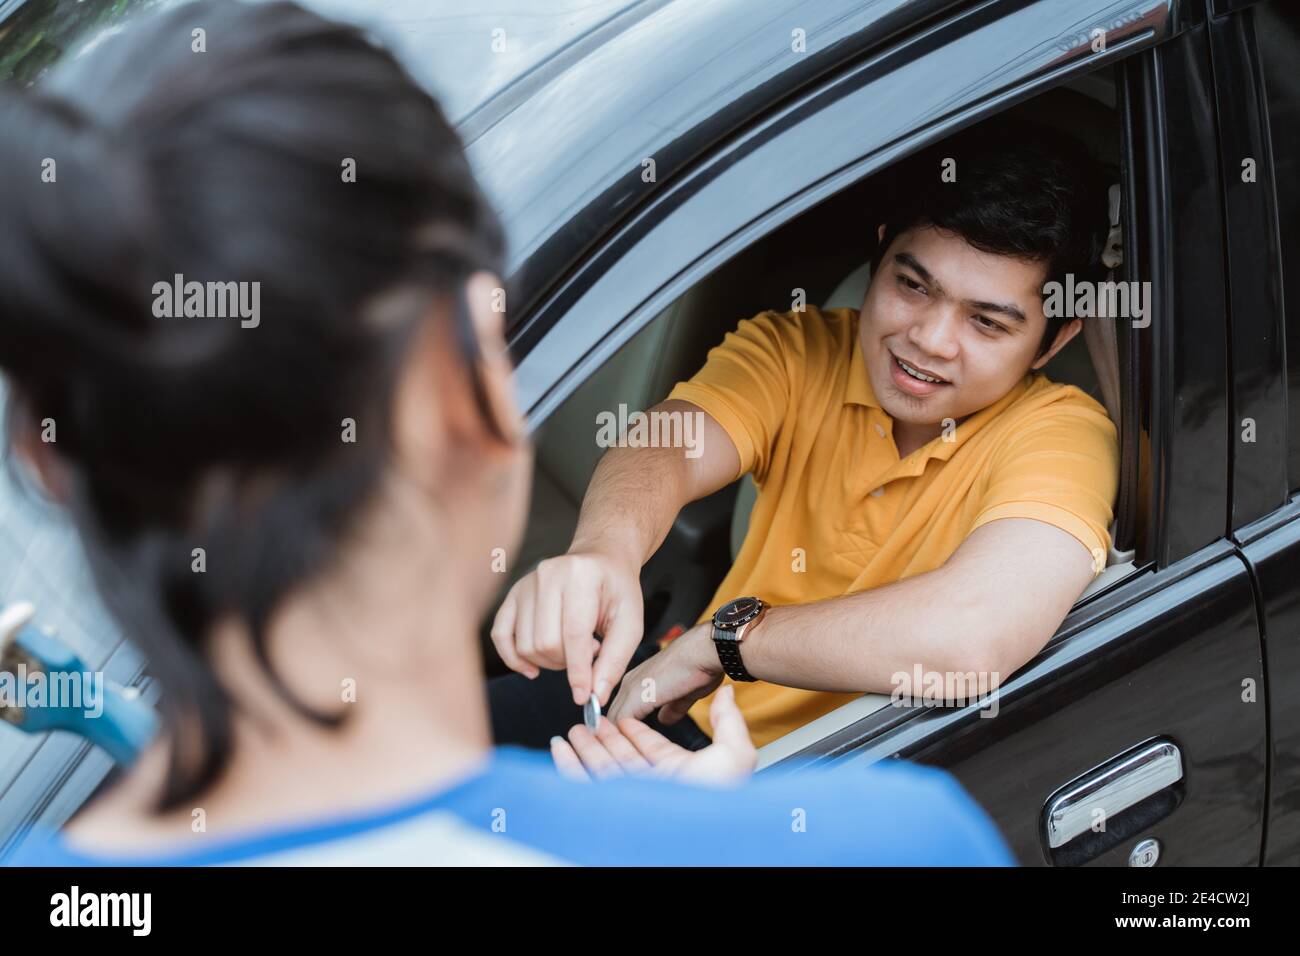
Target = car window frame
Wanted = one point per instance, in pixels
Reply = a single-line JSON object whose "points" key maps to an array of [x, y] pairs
{"points": [[1290, 328], [1254, 270]]}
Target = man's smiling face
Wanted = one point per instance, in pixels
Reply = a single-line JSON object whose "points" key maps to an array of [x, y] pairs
{"points": [[939, 308]]}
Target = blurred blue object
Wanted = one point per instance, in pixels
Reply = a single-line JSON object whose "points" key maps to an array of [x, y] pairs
{"points": [[72, 696], [45, 777]]}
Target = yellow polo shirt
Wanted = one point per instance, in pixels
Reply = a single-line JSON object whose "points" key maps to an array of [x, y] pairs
{"points": [[837, 510]]}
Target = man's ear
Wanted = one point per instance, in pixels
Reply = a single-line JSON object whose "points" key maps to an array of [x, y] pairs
{"points": [[880, 233], [1063, 335]]}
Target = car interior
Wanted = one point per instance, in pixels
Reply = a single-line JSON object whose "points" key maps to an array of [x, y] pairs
{"points": [[826, 252]]}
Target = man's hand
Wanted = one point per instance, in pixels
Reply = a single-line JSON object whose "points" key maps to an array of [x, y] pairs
{"points": [[551, 615], [672, 680], [633, 748]]}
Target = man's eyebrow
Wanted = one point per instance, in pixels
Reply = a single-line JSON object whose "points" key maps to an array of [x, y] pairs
{"points": [[909, 260], [1010, 311]]}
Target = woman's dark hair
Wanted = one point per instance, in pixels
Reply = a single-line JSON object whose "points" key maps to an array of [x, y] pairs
{"points": [[1017, 190], [144, 160]]}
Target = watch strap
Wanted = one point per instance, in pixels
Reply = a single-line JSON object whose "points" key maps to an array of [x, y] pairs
{"points": [[733, 665]]}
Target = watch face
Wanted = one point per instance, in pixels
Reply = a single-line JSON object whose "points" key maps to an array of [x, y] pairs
{"points": [[737, 612]]}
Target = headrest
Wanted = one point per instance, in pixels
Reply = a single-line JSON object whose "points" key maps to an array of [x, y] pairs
{"points": [[851, 290]]}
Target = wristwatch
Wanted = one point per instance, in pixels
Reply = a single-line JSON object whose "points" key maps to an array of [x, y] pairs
{"points": [[731, 623]]}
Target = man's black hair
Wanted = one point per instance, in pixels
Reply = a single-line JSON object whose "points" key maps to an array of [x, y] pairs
{"points": [[1016, 189]]}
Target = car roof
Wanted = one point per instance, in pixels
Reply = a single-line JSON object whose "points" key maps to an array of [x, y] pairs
{"points": [[455, 50], [562, 151]]}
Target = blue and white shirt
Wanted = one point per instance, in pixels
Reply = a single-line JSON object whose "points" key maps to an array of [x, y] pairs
{"points": [[517, 811]]}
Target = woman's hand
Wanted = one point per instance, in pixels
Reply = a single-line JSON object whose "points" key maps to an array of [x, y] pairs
{"points": [[630, 747]]}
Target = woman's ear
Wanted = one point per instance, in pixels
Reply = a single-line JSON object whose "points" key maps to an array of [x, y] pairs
{"points": [[435, 408], [40, 457], [486, 298]]}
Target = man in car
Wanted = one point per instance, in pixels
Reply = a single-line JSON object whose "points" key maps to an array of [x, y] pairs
{"points": [[929, 502]]}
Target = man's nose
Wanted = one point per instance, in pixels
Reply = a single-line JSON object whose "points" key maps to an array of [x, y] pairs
{"points": [[936, 334]]}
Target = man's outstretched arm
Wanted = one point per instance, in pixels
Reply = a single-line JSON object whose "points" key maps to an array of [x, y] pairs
{"points": [[989, 609], [636, 493], [550, 615]]}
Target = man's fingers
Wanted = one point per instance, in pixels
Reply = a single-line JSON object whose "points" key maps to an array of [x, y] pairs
{"points": [[599, 762], [548, 611], [622, 749], [551, 615], [623, 628], [627, 703], [670, 714], [567, 762], [580, 612], [503, 636], [675, 710], [524, 619]]}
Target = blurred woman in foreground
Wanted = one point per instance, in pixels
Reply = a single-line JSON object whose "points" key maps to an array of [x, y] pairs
{"points": [[291, 506]]}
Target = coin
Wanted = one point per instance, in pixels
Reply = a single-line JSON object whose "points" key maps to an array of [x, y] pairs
{"points": [[591, 713]]}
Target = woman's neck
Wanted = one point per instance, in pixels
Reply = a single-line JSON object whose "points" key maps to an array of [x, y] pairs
{"points": [[385, 641]]}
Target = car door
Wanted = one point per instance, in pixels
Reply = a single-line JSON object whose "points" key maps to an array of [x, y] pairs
{"points": [[1256, 48], [1149, 703]]}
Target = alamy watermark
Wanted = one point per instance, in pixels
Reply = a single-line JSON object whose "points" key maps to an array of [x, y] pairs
{"points": [[73, 690], [208, 300], [945, 689], [654, 429], [133, 911], [1120, 300]]}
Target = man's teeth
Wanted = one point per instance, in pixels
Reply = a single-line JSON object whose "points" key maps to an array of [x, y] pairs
{"points": [[915, 374]]}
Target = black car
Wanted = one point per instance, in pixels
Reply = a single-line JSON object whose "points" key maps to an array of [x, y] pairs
{"points": [[668, 167]]}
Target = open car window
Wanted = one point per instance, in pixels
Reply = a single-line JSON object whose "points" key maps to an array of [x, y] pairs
{"points": [[823, 253]]}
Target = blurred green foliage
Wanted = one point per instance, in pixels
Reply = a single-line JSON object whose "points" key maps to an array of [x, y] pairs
{"points": [[36, 33]]}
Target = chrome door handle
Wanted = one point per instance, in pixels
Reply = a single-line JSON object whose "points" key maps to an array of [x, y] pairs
{"points": [[1112, 788]]}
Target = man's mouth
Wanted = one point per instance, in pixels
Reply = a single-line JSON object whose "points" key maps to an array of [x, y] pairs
{"points": [[914, 379]]}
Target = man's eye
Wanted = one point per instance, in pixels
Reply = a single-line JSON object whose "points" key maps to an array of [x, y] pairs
{"points": [[914, 286], [988, 324]]}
